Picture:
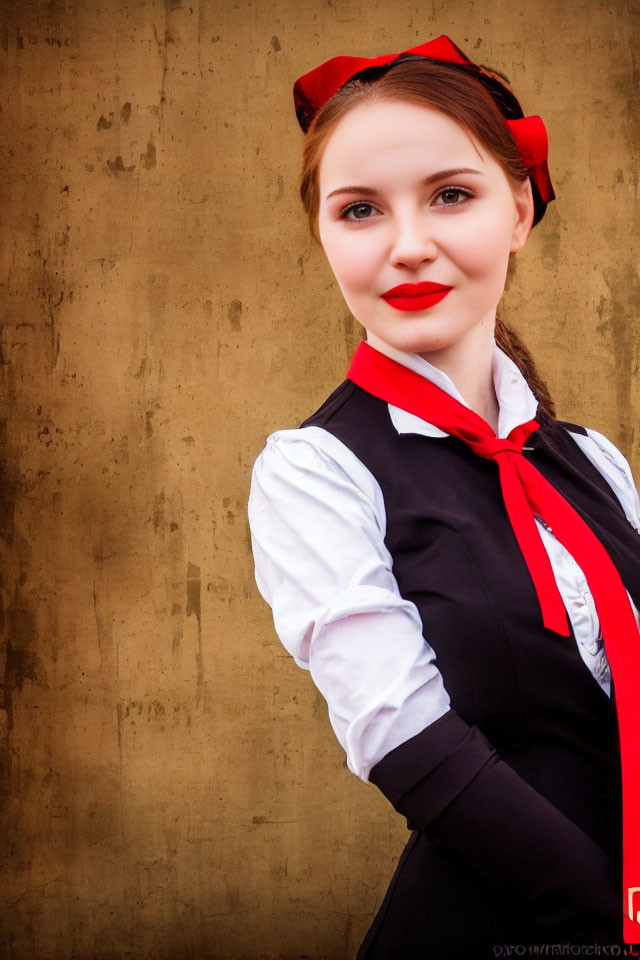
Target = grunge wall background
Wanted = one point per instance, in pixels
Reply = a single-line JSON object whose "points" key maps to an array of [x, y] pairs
{"points": [[171, 787]]}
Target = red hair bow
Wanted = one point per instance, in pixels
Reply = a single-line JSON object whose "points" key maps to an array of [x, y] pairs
{"points": [[313, 89]]}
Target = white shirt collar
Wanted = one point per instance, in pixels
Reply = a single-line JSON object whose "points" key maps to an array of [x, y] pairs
{"points": [[516, 401]]}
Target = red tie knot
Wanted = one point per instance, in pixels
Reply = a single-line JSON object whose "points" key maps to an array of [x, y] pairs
{"points": [[490, 447]]}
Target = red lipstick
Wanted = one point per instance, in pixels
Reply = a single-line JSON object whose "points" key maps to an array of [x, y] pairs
{"points": [[416, 296]]}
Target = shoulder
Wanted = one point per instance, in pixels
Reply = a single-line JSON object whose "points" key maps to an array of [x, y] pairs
{"points": [[612, 464], [311, 460], [347, 409], [332, 405]]}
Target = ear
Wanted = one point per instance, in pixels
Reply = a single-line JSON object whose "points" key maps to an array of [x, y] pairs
{"points": [[523, 198]]}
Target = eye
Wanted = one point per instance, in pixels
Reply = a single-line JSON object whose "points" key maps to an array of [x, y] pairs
{"points": [[448, 192], [359, 211]]}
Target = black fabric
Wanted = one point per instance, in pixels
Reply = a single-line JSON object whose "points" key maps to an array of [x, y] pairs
{"points": [[528, 755], [438, 907], [447, 755], [484, 817], [512, 834]]}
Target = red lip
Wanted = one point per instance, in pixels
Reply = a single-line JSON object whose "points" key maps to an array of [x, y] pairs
{"points": [[415, 289], [418, 303]]}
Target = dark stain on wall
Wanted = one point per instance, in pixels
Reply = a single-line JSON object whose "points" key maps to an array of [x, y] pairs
{"points": [[22, 661], [234, 313], [194, 589], [148, 158], [117, 166]]}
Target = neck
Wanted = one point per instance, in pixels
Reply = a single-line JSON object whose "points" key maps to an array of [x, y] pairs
{"points": [[469, 364]]}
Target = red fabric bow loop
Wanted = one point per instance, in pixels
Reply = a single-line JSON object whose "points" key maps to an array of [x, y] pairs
{"points": [[530, 135]]}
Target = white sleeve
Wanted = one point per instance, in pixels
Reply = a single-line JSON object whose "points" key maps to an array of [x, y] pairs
{"points": [[615, 469], [317, 522]]}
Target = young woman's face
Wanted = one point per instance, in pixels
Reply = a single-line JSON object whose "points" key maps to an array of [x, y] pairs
{"points": [[406, 196]]}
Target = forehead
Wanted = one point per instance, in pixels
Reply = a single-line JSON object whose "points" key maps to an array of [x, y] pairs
{"points": [[376, 138]]}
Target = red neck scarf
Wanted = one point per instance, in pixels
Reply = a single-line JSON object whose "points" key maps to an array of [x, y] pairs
{"points": [[527, 493]]}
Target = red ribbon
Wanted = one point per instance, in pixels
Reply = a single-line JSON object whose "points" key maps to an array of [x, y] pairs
{"points": [[527, 492]]}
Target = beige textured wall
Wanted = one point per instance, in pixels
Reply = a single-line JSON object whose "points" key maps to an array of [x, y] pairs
{"points": [[171, 785]]}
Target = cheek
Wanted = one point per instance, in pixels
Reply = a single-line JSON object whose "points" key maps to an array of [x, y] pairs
{"points": [[484, 252], [354, 264]]}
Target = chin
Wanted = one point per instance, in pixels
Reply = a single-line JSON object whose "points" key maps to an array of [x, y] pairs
{"points": [[413, 342]]}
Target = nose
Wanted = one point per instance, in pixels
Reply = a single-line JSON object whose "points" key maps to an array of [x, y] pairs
{"points": [[413, 242]]}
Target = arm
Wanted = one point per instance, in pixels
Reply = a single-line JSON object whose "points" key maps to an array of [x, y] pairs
{"points": [[317, 529]]}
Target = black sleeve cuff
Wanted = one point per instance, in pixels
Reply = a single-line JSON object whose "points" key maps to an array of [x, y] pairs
{"points": [[444, 757]]}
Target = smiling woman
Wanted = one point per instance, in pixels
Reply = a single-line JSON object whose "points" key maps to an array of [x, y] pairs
{"points": [[459, 570]]}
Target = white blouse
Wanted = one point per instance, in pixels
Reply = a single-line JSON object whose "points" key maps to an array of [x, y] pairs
{"points": [[318, 522]]}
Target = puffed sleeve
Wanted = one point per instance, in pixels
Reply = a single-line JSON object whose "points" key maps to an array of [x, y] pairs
{"points": [[317, 522]]}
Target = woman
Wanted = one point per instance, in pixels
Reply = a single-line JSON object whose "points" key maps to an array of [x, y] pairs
{"points": [[459, 570]]}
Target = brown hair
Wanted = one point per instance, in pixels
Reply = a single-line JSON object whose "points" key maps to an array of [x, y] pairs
{"points": [[455, 92]]}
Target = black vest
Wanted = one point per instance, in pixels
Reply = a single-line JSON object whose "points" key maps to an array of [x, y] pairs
{"points": [[456, 558]]}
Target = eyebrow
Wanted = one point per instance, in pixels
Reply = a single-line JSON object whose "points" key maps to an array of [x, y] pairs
{"points": [[440, 175]]}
